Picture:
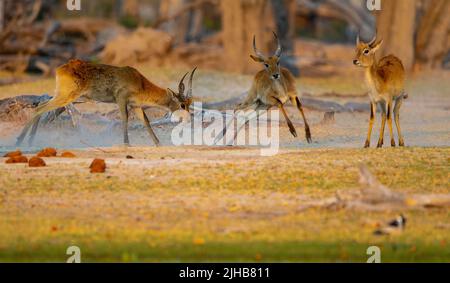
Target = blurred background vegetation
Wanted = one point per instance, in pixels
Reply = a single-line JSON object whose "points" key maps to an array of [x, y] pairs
{"points": [[318, 36]]}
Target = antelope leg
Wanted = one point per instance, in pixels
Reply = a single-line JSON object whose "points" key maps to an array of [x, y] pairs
{"points": [[222, 136], [253, 115]]}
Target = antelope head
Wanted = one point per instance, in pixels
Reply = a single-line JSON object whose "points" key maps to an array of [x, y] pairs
{"points": [[272, 63], [365, 52], [182, 100]]}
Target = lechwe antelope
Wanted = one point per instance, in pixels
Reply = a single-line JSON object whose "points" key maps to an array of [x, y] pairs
{"points": [[386, 80], [122, 85], [273, 86]]}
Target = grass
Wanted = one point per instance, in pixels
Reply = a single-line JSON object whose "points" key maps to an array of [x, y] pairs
{"points": [[228, 205]]}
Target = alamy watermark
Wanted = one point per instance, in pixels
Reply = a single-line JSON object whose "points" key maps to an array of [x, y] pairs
{"points": [[229, 128], [75, 254], [373, 5], [73, 5], [375, 254]]}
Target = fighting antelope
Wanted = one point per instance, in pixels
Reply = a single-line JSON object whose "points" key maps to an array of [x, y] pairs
{"points": [[273, 86], [385, 79], [122, 85]]}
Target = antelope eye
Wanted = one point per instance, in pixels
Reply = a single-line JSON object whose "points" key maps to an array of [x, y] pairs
{"points": [[266, 65], [183, 106], [366, 51]]}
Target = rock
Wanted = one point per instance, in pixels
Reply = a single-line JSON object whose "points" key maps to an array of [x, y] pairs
{"points": [[36, 162], [17, 159], [14, 153], [98, 166], [47, 152], [68, 154]]}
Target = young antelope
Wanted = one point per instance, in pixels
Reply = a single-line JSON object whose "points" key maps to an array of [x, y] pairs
{"points": [[385, 79]]}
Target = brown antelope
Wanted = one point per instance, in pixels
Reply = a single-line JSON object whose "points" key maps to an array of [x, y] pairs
{"points": [[273, 86], [122, 85], [386, 80]]}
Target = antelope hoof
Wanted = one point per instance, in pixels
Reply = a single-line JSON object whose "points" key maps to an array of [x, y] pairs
{"points": [[367, 145], [401, 143], [380, 144], [308, 136], [294, 133], [393, 143]]}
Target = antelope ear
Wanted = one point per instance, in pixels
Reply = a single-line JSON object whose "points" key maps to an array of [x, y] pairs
{"points": [[171, 92], [256, 59], [377, 45]]}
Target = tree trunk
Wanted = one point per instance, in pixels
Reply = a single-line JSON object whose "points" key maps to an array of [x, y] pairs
{"points": [[432, 43], [285, 14], [396, 26], [185, 27], [241, 20], [2, 15], [130, 8]]}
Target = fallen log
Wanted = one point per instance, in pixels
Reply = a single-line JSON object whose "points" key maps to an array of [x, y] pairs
{"points": [[374, 196], [15, 104], [308, 102], [12, 108]]}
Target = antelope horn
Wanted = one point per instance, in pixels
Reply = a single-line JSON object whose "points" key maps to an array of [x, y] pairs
{"points": [[358, 39], [182, 87], [374, 39], [189, 93], [257, 52], [279, 48]]}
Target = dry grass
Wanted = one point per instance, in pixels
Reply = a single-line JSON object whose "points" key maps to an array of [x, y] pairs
{"points": [[170, 204]]}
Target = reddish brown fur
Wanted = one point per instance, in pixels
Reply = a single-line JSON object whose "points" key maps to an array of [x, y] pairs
{"points": [[104, 83], [389, 67], [274, 86], [386, 82]]}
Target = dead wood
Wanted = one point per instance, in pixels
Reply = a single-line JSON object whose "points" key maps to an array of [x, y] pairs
{"points": [[185, 9], [308, 102], [374, 196], [13, 105], [42, 46], [338, 9]]}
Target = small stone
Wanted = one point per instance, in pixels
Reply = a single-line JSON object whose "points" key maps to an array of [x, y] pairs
{"points": [[130, 157], [98, 166], [17, 159], [68, 154], [13, 154], [36, 162], [47, 152]]}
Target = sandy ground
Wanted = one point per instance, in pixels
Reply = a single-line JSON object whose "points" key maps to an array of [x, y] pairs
{"points": [[425, 116]]}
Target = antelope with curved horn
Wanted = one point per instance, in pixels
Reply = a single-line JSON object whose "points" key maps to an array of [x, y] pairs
{"points": [[273, 86], [104, 83], [385, 79]]}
